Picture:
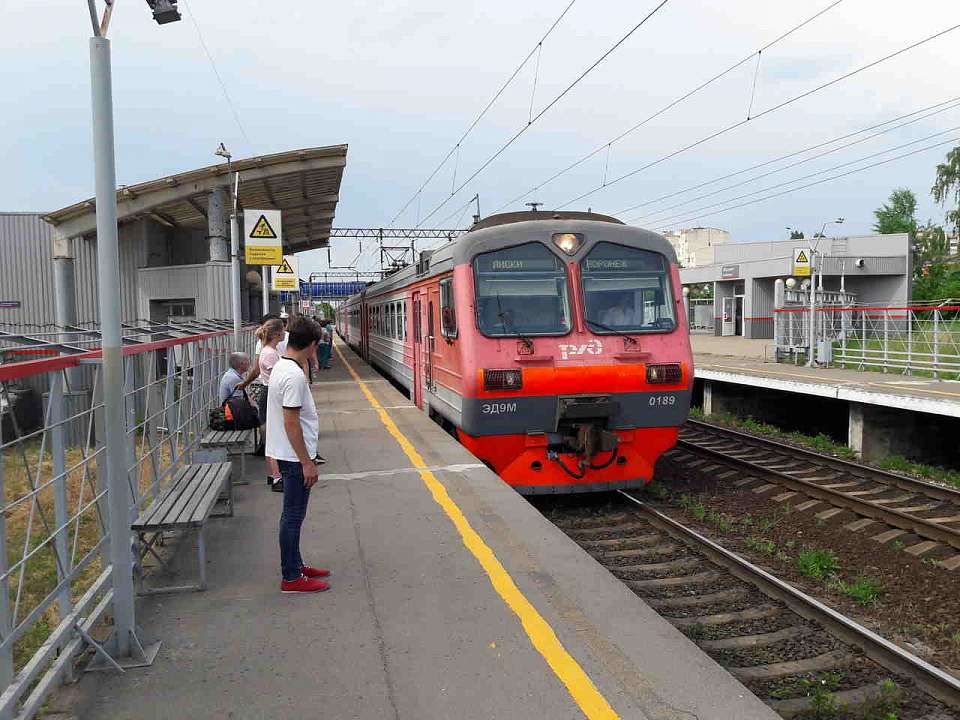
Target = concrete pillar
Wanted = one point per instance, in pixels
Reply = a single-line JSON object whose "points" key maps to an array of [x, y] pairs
{"points": [[64, 281], [218, 224], [855, 428], [707, 398]]}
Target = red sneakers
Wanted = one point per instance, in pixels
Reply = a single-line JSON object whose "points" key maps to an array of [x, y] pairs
{"points": [[303, 584], [312, 572]]}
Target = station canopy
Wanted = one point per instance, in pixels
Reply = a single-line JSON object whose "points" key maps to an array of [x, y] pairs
{"points": [[304, 184]]}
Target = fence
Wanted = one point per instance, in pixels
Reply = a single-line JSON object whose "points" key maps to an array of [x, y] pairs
{"points": [[55, 576], [912, 340]]}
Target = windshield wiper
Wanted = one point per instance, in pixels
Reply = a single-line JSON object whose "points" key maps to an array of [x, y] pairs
{"points": [[621, 333], [510, 327]]}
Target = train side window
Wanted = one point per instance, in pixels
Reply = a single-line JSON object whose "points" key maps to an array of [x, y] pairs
{"points": [[448, 310], [403, 320]]}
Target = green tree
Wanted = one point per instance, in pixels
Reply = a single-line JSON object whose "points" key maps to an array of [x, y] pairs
{"points": [[796, 234], [898, 214], [946, 188], [326, 309]]}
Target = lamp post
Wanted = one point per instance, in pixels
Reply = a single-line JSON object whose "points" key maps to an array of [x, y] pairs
{"points": [[222, 151], [813, 290], [125, 645]]}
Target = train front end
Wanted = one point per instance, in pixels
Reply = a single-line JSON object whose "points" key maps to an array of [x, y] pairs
{"points": [[580, 372]]}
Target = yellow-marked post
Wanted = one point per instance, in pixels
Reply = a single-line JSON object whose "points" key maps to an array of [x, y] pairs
{"points": [[544, 639]]}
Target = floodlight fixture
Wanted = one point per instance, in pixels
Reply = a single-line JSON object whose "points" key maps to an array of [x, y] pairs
{"points": [[164, 11]]}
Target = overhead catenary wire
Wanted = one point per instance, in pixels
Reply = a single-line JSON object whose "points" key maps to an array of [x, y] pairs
{"points": [[547, 108], [931, 110], [670, 218], [649, 217], [673, 103], [216, 72], [536, 49], [933, 146], [768, 111]]}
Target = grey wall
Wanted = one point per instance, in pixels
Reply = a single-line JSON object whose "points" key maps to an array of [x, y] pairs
{"points": [[26, 272]]}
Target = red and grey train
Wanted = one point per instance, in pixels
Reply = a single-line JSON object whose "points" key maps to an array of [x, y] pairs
{"points": [[554, 343]]}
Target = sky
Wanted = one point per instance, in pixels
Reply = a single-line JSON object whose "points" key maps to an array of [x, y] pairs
{"points": [[400, 82]]}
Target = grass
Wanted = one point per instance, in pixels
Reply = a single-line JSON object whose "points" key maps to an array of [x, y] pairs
{"points": [[817, 563], [820, 443], [898, 463], [761, 545], [29, 523], [865, 590], [820, 689], [695, 506]]}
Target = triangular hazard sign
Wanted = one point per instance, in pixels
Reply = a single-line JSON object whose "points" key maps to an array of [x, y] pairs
{"points": [[802, 257], [262, 230], [284, 268]]}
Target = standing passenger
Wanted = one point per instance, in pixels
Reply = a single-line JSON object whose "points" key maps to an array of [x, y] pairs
{"points": [[292, 431], [273, 334]]}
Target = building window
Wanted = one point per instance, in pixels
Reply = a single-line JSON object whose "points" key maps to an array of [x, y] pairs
{"points": [[448, 310]]}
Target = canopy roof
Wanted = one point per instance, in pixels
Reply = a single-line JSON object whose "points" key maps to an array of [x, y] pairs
{"points": [[304, 184]]}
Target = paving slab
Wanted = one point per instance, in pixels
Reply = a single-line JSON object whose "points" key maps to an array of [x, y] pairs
{"points": [[413, 627]]}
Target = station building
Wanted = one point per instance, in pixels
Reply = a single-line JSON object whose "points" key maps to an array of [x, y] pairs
{"points": [[174, 237], [871, 269]]}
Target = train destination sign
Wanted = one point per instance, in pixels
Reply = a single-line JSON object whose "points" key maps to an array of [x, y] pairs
{"points": [[285, 277], [264, 237]]}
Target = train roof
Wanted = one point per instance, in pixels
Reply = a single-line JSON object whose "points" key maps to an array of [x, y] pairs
{"points": [[500, 231]]}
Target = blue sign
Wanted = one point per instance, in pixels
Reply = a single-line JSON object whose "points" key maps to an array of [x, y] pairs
{"points": [[323, 290]]}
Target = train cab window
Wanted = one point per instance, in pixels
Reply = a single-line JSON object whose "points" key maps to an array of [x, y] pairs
{"points": [[626, 290], [521, 290], [448, 310]]}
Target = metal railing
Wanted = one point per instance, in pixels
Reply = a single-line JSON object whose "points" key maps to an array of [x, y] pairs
{"points": [[55, 573], [912, 340]]}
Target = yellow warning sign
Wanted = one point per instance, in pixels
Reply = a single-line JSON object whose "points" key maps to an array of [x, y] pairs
{"points": [[285, 276], [262, 230], [801, 262], [263, 240]]}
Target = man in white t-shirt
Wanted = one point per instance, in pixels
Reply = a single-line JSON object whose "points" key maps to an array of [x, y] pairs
{"points": [[292, 431]]}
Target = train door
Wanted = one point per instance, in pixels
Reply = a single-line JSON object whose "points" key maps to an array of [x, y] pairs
{"points": [[729, 320], [429, 348], [417, 351], [364, 331]]}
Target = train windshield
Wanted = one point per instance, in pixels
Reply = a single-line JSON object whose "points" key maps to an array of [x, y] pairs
{"points": [[521, 290], [626, 290]]}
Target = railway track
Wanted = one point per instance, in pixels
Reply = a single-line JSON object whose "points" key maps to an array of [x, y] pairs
{"points": [[800, 656], [923, 518]]}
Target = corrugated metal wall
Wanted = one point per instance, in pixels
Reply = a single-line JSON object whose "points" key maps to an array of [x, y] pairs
{"points": [[26, 242], [758, 321]]}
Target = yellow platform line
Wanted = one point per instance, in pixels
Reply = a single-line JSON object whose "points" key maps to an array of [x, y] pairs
{"points": [[544, 639]]}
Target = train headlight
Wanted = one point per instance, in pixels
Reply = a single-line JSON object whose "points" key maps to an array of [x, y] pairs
{"points": [[669, 374], [568, 242], [503, 379]]}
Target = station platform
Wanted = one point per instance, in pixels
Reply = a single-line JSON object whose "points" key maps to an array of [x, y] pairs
{"points": [[451, 597], [745, 362]]}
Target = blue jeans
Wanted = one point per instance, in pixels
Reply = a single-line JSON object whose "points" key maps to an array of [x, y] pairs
{"points": [[295, 498], [324, 351]]}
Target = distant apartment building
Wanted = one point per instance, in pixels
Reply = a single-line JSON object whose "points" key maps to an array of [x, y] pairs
{"points": [[695, 246]]}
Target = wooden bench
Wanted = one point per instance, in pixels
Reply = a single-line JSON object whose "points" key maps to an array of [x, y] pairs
{"points": [[234, 442], [185, 506]]}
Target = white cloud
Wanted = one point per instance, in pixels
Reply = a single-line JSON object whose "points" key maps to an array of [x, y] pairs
{"points": [[399, 81]]}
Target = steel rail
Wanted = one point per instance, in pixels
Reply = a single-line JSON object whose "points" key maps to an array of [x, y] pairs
{"points": [[933, 680], [890, 516], [904, 482]]}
